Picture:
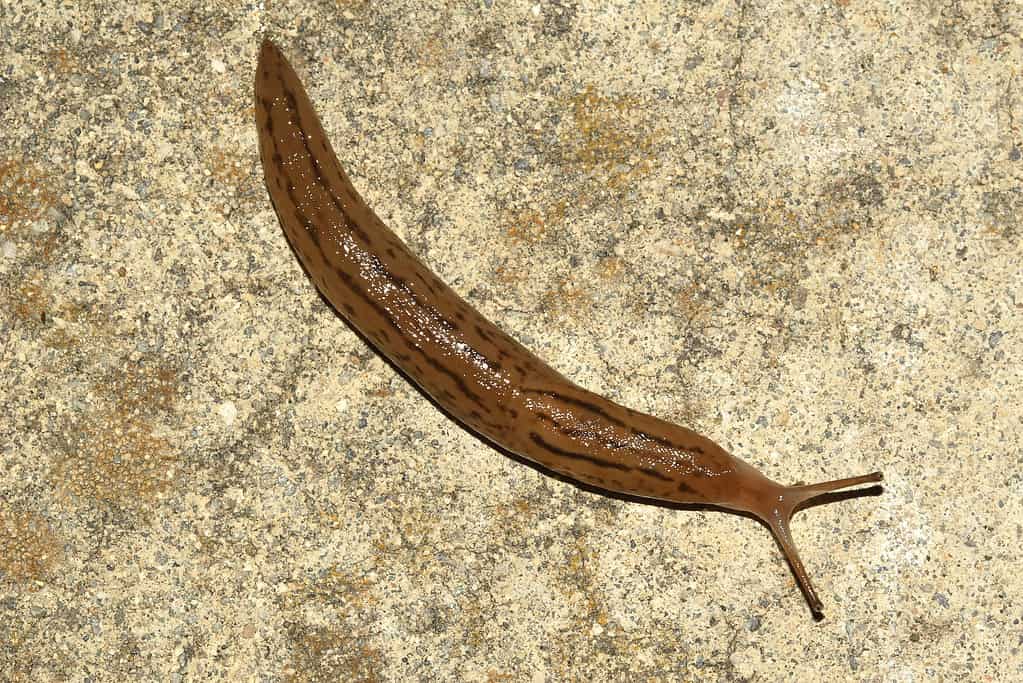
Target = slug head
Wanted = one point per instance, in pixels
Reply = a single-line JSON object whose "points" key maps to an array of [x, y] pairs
{"points": [[777, 505]]}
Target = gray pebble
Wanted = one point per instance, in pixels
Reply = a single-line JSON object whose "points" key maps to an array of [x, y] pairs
{"points": [[941, 599], [799, 296]]}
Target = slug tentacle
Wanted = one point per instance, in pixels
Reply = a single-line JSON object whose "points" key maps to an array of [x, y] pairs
{"points": [[778, 517], [479, 374]]}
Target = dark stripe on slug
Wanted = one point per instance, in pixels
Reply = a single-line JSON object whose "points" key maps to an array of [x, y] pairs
{"points": [[269, 118], [494, 427], [349, 282], [539, 441], [353, 227], [310, 230], [318, 175], [593, 408], [583, 433], [685, 488], [654, 473], [313, 233]]}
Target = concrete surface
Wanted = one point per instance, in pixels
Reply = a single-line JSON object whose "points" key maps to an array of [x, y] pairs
{"points": [[793, 226]]}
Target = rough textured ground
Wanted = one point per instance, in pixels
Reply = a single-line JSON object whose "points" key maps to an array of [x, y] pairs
{"points": [[793, 226]]}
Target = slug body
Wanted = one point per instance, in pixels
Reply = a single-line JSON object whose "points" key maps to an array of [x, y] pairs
{"points": [[477, 373]]}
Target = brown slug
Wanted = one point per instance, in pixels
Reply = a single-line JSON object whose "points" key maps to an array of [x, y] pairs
{"points": [[477, 373]]}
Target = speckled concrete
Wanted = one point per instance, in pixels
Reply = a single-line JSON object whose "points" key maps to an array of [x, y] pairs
{"points": [[793, 226]]}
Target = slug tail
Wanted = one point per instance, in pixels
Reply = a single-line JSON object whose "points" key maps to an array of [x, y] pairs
{"points": [[779, 517]]}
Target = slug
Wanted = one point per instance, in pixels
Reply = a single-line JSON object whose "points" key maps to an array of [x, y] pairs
{"points": [[481, 376]]}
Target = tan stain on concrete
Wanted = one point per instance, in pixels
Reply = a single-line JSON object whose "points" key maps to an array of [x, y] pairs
{"points": [[531, 226], [566, 300], [331, 652], [113, 455], [25, 191], [30, 549], [612, 137], [112, 460]]}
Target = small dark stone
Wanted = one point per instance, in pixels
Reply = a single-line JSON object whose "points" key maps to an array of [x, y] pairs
{"points": [[941, 599], [994, 338], [799, 295], [754, 623]]}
